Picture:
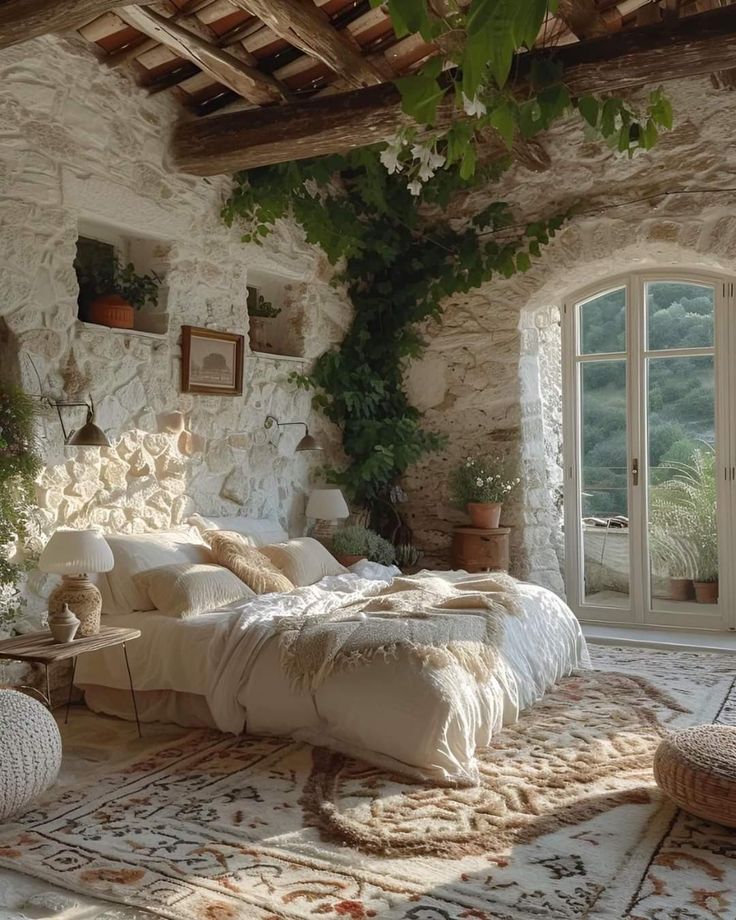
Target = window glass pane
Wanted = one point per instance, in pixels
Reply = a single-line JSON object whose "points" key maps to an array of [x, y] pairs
{"points": [[683, 537], [679, 315], [603, 323], [604, 483]]}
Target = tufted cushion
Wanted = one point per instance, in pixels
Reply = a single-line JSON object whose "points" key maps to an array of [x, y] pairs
{"points": [[30, 752], [248, 563], [189, 589], [303, 561], [696, 768]]}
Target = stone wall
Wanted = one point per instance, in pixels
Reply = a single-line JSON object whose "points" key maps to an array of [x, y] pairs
{"points": [[491, 377], [80, 143]]}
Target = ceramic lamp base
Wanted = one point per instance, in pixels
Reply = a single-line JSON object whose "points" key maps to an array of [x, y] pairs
{"points": [[324, 531], [83, 599]]}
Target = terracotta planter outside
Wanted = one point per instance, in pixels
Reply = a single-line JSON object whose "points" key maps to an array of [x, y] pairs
{"points": [[485, 515], [681, 589], [348, 560], [111, 310], [706, 592]]}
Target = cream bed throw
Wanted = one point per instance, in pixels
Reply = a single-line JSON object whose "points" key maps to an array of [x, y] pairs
{"points": [[435, 621]]}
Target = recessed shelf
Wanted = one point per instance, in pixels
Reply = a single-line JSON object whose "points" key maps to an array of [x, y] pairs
{"points": [[159, 337], [274, 357]]}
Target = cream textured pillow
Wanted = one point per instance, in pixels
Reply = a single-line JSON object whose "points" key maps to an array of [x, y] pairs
{"points": [[248, 563], [304, 561], [188, 589]]}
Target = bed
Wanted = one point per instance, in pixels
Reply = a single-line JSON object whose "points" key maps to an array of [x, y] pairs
{"points": [[223, 669]]}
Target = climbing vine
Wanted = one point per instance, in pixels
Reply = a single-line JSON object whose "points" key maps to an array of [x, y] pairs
{"points": [[19, 465], [380, 215]]}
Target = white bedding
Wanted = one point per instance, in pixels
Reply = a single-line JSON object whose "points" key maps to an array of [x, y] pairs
{"points": [[424, 721]]}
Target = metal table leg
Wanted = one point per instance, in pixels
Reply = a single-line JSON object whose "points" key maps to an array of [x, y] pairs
{"points": [[71, 690], [132, 691]]}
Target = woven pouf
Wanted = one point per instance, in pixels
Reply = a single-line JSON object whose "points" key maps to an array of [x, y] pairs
{"points": [[30, 751], [696, 768]]}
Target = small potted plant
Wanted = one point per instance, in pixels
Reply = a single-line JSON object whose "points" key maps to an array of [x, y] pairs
{"points": [[480, 486], [112, 292], [260, 314], [352, 543]]}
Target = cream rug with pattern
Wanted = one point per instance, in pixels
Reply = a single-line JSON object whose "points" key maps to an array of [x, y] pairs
{"points": [[567, 822]]}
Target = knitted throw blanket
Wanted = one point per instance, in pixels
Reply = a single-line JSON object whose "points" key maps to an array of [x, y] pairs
{"points": [[436, 621]]}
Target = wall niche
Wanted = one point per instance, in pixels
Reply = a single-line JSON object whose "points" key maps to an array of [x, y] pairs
{"points": [[122, 279], [275, 315]]}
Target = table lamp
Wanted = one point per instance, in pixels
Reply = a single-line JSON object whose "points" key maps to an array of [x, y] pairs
{"points": [[73, 554], [326, 506]]}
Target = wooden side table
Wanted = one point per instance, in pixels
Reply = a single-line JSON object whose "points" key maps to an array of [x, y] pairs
{"points": [[40, 648], [478, 550]]}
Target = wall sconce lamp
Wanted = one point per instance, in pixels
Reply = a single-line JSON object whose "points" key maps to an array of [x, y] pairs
{"points": [[89, 435], [306, 443]]}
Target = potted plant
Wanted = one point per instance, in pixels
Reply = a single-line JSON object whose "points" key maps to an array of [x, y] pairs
{"points": [[260, 313], [353, 543], [480, 486], [672, 556], [687, 503], [112, 292]]}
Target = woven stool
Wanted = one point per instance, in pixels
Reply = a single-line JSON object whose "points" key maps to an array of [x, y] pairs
{"points": [[696, 768], [30, 751]]}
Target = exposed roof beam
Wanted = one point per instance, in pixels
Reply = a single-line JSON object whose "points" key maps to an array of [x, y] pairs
{"points": [[337, 123], [582, 18], [224, 67], [21, 20], [306, 27]]}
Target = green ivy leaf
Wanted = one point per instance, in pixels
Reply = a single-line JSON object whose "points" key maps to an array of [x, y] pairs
{"points": [[420, 97], [503, 120], [589, 108]]}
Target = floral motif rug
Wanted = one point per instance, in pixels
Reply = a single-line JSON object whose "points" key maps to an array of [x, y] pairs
{"points": [[567, 822]]}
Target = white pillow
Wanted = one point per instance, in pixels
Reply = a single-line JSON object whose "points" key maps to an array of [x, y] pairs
{"points": [[304, 561], [135, 553], [188, 589], [260, 532]]}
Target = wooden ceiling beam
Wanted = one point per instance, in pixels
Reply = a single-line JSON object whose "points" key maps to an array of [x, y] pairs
{"points": [[338, 123], [21, 20], [224, 67], [303, 25], [582, 18]]}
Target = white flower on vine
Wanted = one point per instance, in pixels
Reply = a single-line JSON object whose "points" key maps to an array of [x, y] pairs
{"points": [[473, 107], [415, 187], [479, 482], [390, 159]]}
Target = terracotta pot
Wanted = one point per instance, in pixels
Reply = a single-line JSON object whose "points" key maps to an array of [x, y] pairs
{"points": [[348, 560], [681, 589], [111, 310], [485, 515], [706, 592]]}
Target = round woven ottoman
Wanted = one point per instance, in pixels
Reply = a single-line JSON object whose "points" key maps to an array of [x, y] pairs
{"points": [[30, 751], [696, 768]]}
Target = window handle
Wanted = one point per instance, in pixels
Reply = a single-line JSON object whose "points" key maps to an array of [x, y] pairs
{"points": [[635, 471]]}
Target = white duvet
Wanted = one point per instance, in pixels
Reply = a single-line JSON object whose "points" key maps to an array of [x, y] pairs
{"points": [[424, 721]]}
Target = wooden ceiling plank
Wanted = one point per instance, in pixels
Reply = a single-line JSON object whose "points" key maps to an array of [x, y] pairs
{"points": [[224, 67], [21, 20], [338, 123], [303, 25]]}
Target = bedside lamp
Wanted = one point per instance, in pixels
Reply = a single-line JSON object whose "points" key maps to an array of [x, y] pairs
{"points": [[72, 554], [326, 506]]}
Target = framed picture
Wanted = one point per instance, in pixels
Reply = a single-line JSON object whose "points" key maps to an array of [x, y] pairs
{"points": [[211, 361]]}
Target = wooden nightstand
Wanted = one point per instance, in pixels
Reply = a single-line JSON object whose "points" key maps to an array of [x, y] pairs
{"points": [[40, 648], [477, 550]]}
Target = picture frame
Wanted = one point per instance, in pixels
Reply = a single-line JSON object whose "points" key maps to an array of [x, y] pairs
{"points": [[211, 361]]}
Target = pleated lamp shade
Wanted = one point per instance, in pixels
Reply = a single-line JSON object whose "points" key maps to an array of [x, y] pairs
{"points": [[76, 552], [327, 505]]}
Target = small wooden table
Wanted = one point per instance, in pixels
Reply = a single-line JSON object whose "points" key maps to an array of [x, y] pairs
{"points": [[40, 648], [476, 549]]}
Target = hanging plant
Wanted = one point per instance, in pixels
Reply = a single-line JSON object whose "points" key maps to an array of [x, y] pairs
{"points": [[19, 466]]}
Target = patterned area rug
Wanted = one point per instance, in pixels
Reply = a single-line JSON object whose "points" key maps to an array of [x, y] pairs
{"points": [[567, 822]]}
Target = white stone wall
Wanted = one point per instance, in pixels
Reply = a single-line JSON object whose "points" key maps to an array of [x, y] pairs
{"points": [[491, 378], [79, 142]]}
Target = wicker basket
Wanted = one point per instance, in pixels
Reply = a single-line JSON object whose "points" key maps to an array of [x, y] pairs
{"points": [[696, 768]]}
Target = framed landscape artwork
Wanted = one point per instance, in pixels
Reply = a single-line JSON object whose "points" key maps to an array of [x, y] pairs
{"points": [[211, 361]]}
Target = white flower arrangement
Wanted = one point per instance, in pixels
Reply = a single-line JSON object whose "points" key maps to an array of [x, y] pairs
{"points": [[419, 160], [478, 480]]}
